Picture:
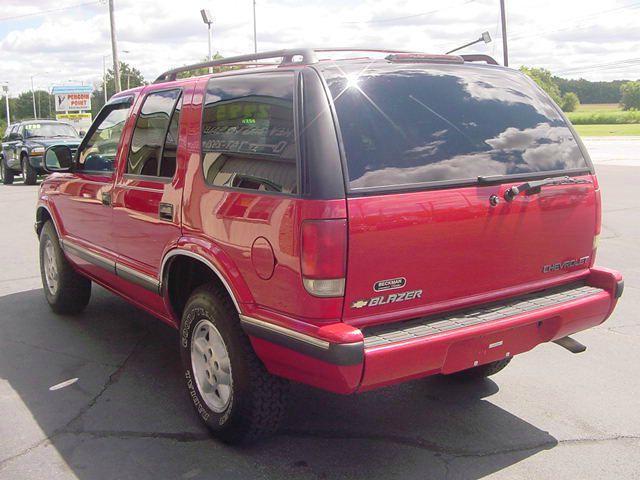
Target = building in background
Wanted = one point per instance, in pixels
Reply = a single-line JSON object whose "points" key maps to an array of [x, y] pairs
{"points": [[73, 105]]}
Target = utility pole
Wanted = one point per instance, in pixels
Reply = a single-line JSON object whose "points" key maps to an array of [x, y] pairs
{"points": [[255, 37], [114, 48], [503, 17]]}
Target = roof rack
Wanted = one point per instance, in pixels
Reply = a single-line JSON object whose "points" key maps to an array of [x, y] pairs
{"points": [[479, 58], [294, 56], [308, 57]]}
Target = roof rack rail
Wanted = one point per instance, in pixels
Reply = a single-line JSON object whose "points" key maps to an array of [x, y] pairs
{"points": [[309, 56], [479, 58]]}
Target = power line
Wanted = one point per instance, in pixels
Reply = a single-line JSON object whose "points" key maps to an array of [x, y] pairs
{"points": [[629, 62], [394, 19], [52, 10], [579, 26]]}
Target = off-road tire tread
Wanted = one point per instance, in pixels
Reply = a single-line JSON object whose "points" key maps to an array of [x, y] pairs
{"points": [[74, 290], [7, 174], [481, 371], [31, 178], [269, 393]]}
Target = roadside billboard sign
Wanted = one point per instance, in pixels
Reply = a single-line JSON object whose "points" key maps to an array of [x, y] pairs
{"points": [[72, 101]]}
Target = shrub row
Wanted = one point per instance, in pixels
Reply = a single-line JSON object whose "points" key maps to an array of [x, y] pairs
{"points": [[578, 118]]}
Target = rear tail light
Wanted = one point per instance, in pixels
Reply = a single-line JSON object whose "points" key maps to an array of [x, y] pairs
{"points": [[596, 237], [324, 257]]}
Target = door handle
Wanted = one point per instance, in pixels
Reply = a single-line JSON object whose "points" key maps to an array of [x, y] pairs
{"points": [[106, 199], [165, 212]]}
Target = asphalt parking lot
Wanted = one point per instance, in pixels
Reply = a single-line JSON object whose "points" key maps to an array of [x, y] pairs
{"points": [[550, 414]]}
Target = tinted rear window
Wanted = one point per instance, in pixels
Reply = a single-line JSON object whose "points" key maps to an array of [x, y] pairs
{"points": [[410, 125]]}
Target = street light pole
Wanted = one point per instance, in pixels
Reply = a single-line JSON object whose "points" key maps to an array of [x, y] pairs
{"points": [[114, 48], [33, 97], [104, 77], [208, 19], [6, 99], [503, 17], [485, 37], [255, 37]]}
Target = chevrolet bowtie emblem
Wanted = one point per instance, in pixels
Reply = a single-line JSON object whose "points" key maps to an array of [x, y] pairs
{"points": [[359, 304]]}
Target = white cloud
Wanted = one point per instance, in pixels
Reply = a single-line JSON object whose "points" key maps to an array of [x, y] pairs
{"points": [[70, 44]]}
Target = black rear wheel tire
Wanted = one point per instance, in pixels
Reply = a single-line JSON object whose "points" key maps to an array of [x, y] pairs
{"points": [[66, 291], [481, 371], [29, 174], [6, 173], [257, 400]]}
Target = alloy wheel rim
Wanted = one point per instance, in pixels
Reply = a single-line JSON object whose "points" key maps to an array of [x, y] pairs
{"points": [[50, 267], [211, 366]]}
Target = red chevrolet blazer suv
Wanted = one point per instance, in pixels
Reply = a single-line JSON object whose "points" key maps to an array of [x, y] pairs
{"points": [[348, 223]]}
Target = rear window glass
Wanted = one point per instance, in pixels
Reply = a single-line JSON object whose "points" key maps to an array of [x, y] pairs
{"points": [[409, 125], [248, 136]]}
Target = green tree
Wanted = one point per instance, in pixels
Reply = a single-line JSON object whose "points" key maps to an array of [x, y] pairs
{"points": [[630, 95], [570, 102], [545, 81], [130, 77], [22, 106]]}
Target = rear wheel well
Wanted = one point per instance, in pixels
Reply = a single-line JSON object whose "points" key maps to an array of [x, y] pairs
{"points": [[183, 275]]}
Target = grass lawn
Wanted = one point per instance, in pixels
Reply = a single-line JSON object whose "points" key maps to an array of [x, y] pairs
{"points": [[603, 114], [598, 107], [608, 130]]}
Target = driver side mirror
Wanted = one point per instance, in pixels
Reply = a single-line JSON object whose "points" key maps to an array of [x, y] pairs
{"points": [[82, 133], [58, 158], [15, 136]]}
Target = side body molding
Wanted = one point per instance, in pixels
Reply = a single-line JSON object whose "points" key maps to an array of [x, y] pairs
{"points": [[176, 252]]}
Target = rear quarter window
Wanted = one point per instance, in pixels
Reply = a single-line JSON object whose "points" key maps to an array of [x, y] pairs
{"points": [[411, 125], [248, 134]]}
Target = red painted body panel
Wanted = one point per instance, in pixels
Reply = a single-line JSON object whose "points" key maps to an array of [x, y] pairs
{"points": [[450, 351], [457, 248]]}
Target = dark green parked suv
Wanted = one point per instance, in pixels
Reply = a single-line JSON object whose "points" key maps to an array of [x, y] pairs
{"points": [[24, 143]]}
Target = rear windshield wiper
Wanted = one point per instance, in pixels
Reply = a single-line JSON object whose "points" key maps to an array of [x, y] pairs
{"points": [[536, 185]]}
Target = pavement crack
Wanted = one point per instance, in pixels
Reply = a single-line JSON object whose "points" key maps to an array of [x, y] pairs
{"points": [[422, 444], [182, 437], [50, 350], [113, 378]]}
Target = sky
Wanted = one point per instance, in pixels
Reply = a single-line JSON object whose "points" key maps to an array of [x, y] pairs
{"points": [[66, 41]]}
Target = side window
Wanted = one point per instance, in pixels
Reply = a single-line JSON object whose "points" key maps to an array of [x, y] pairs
{"points": [[248, 137], [155, 138], [99, 152]]}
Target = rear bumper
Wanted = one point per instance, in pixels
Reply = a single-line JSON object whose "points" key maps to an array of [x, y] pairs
{"points": [[343, 359]]}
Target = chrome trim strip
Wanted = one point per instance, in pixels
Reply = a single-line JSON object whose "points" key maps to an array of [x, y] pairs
{"points": [[187, 253], [140, 279], [88, 255], [316, 342]]}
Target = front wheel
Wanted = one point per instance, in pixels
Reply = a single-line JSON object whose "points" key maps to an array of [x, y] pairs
{"points": [[29, 173], [231, 390], [66, 291], [481, 371]]}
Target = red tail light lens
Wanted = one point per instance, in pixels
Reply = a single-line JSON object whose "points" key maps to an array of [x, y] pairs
{"points": [[324, 256]]}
